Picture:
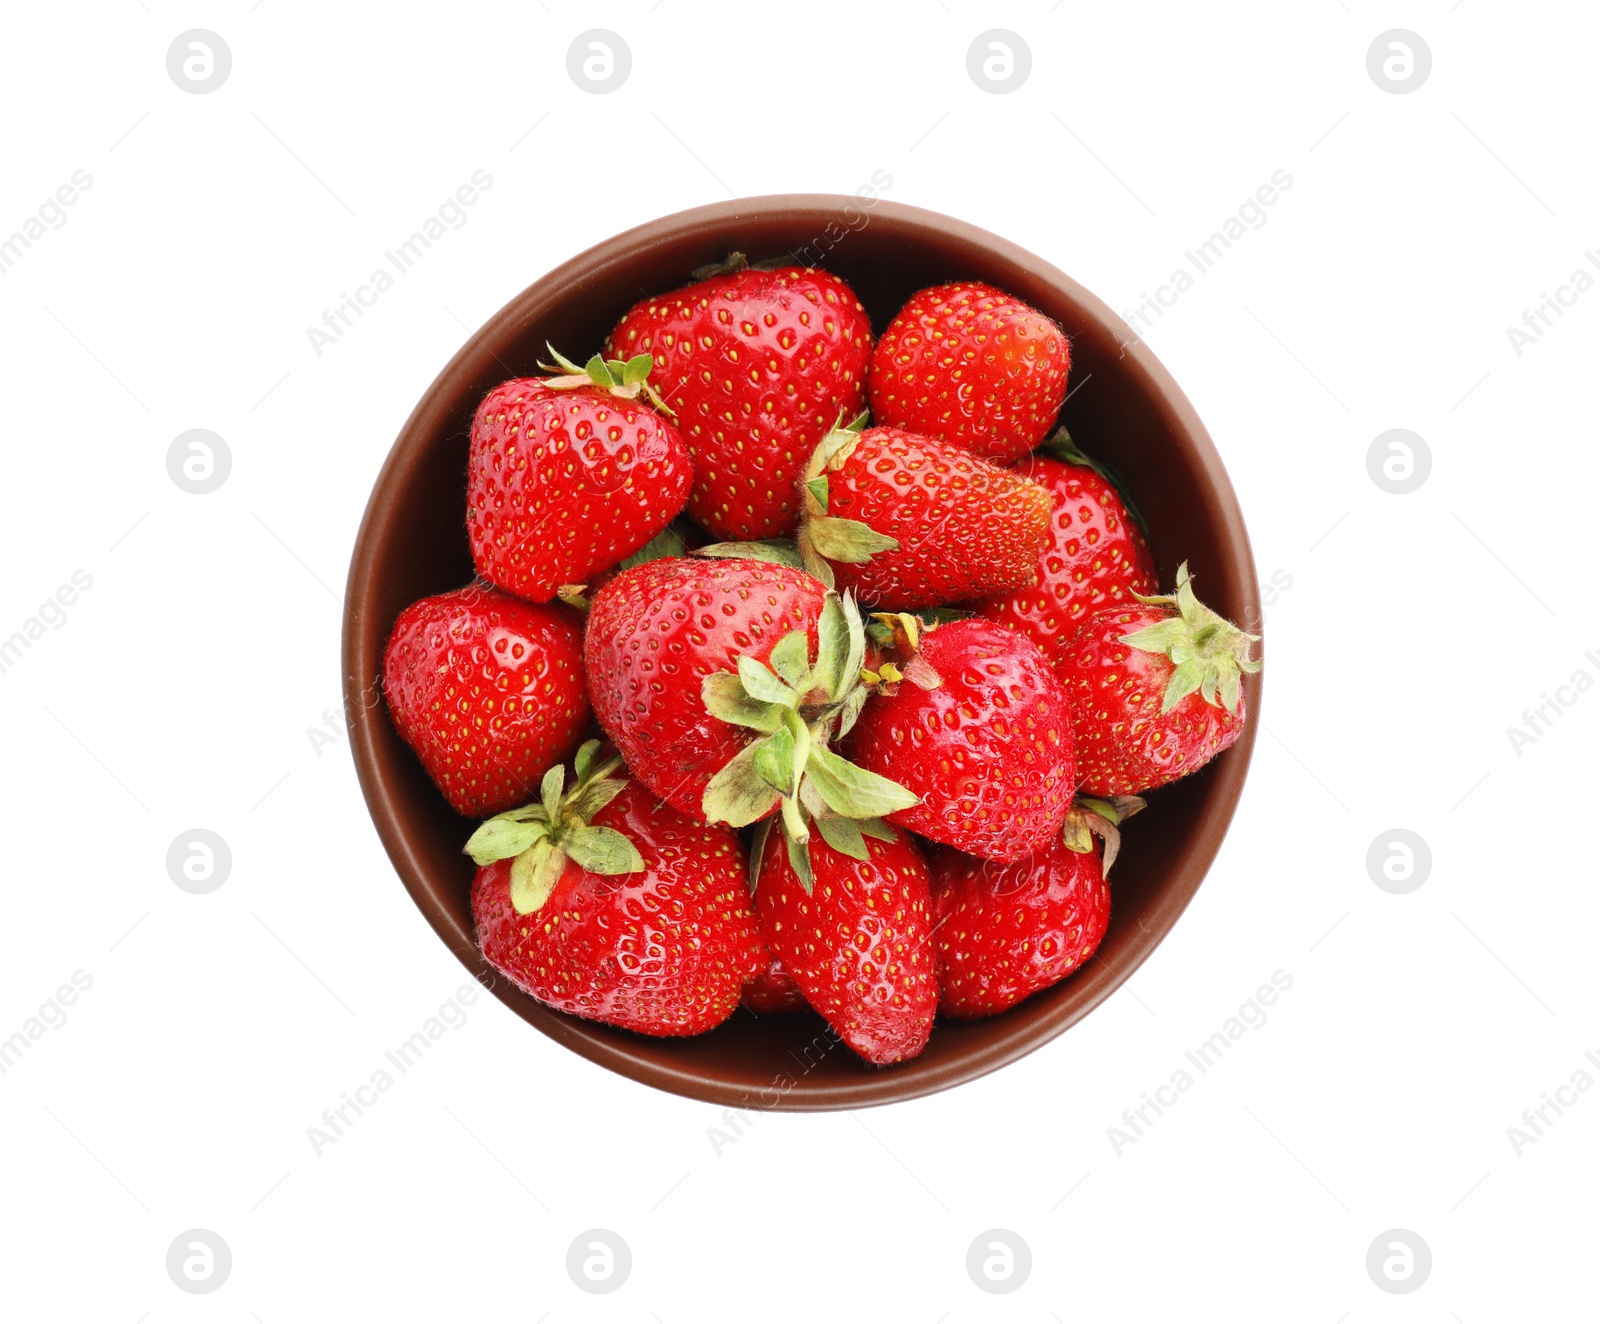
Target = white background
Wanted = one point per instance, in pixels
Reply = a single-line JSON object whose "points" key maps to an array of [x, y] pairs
{"points": [[182, 687]]}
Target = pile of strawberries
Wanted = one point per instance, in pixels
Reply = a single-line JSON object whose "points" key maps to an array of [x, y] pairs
{"points": [[764, 705]]}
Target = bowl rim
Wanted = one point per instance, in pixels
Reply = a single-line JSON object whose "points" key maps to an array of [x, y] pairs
{"points": [[366, 714]]}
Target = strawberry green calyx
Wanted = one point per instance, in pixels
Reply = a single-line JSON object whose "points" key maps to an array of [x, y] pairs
{"points": [[823, 537], [627, 379], [898, 634], [737, 261], [1208, 652], [799, 705], [1090, 818], [540, 838]]}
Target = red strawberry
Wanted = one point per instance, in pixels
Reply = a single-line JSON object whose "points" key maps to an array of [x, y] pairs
{"points": [[601, 902], [723, 681], [1155, 691], [1005, 931], [1096, 556], [488, 690], [773, 992], [989, 749], [758, 365], [969, 364], [856, 939], [657, 631], [914, 522], [564, 480]]}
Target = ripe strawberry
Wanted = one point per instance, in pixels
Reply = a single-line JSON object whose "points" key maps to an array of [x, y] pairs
{"points": [[971, 365], [1005, 931], [773, 992], [564, 480], [1096, 556], [856, 938], [758, 365], [722, 683], [601, 902], [913, 522], [1155, 691], [988, 749], [488, 690]]}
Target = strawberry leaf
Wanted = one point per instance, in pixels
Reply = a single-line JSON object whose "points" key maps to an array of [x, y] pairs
{"points": [[602, 850], [760, 684], [847, 540], [758, 852], [774, 761], [668, 543], [737, 795], [775, 551], [818, 487], [583, 761], [534, 875], [599, 372], [877, 829], [800, 862], [854, 792], [724, 697], [550, 791], [853, 704], [595, 796], [833, 647], [503, 836], [844, 835], [789, 658], [636, 369]]}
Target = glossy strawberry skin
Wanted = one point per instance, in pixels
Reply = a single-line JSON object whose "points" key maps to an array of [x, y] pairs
{"points": [[859, 946], [989, 750], [971, 365], [563, 484], [757, 366], [488, 690], [1125, 745], [1002, 932], [1096, 558], [664, 951], [656, 631], [966, 528], [773, 992]]}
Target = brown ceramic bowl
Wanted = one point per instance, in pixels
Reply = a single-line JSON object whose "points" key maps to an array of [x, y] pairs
{"points": [[1124, 408]]}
